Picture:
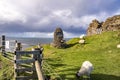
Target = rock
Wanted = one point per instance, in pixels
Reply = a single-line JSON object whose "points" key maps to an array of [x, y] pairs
{"points": [[110, 24], [94, 28], [58, 41]]}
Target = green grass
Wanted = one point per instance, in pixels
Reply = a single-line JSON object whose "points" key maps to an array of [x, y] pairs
{"points": [[6, 69], [101, 50]]}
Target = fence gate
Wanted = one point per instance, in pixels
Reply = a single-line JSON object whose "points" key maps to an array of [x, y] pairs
{"points": [[28, 65]]}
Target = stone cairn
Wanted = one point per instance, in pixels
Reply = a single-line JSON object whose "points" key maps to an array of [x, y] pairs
{"points": [[58, 41], [110, 24]]}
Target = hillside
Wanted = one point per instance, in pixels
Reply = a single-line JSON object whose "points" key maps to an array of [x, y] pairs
{"points": [[6, 69], [99, 49], [64, 63]]}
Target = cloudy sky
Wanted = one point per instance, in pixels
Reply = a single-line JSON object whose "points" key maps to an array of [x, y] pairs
{"points": [[39, 18]]}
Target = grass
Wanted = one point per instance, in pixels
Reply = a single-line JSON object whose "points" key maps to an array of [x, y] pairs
{"points": [[101, 50], [62, 64], [6, 69]]}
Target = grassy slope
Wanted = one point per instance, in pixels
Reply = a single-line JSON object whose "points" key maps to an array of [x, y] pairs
{"points": [[6, 69], [99, 49]]}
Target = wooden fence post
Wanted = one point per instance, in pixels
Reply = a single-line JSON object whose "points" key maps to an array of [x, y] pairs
{"points": [[16, 65], [18, 46], [33, 64], [38, 63], [39, 71], [38, 67], [3, 45]]}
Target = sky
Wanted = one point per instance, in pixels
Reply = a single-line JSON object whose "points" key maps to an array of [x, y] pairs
{"points": [[40, 18]]}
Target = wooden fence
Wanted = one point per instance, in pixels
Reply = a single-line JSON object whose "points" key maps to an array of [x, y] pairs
{"points": [[34, 63], [27, 64]]}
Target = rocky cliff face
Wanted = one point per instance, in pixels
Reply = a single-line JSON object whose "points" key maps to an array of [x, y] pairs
{"points": [[111, 24]]}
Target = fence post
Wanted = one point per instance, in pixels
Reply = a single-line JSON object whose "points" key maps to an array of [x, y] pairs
{"points": [[18, 46], [38, 63], [33, 64], [3, 45], [38, 67], [39, 71], [16, 66]]}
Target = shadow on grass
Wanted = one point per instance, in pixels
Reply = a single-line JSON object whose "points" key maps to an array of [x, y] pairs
{"points": [[55, 62], [93, 77], [68, 72], [71, 45], [104, 77]]}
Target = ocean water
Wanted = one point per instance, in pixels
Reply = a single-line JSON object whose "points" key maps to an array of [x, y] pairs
{"points": [[28, 42]]}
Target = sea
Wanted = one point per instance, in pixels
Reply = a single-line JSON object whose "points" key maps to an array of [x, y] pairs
{"points": [[27, 42]]}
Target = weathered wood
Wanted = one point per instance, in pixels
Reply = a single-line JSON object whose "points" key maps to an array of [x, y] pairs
{"points": [[39, 71], [36, 65], [25, 77], [33, 64], [18, 46], [3, 45], [24, 61], [25, 69], [16, 65], [27, 52]]}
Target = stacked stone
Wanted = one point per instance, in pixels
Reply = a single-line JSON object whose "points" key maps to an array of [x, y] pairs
{"points": [[58, 41]]}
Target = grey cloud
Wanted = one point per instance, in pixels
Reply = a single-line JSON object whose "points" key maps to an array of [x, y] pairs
{"points": [[40, 18]]}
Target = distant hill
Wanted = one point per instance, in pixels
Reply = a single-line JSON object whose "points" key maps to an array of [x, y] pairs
{"points": [[110, 24]]}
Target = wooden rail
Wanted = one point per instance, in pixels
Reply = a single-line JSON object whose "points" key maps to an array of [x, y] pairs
{"points": [[35, 67]]}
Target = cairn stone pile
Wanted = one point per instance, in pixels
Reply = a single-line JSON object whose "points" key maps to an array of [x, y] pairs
{"points": [[111, 24], [58, 41]]}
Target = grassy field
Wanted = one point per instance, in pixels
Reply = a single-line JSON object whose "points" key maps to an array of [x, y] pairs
{"points": [[6, 69], [62, 64], [101, 50]]}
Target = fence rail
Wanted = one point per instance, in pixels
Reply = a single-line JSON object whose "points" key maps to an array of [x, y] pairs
{"points": [[36, 67]]}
